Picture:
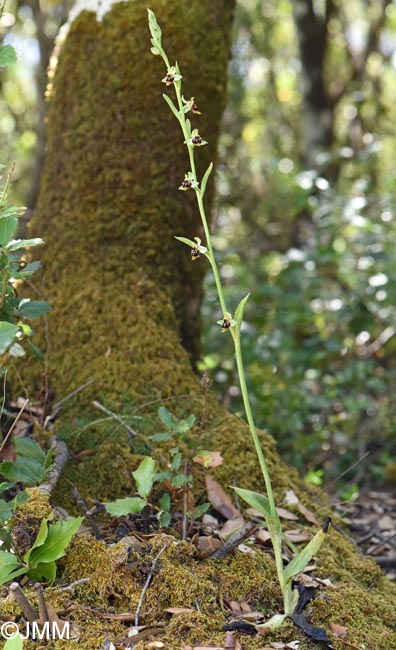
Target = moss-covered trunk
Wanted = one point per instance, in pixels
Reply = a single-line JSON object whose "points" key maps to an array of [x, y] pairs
{"points": [[125, 294]]}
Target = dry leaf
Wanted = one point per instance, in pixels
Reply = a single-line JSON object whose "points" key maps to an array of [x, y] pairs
{"points": [[230, 527], [291, 498], [296, 536], [262, 536], [208, 458], [286, 514], [309, 516], [207, 545], [219, 499], [338, 630]]}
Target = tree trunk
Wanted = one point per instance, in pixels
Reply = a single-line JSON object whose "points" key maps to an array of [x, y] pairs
{"points": [[317, 119], [125, 294]]}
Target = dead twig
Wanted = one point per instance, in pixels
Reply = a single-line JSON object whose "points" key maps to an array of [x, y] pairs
{"points": [[234, 540], [84, 508], [61, 453], [58, 405], [72, 585], [98, 405], [147, 583], [9, 433], [42, 605], [18, 595]]}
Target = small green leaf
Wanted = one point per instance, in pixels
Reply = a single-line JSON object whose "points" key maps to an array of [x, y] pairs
{"points": [[187, 241], [171, 105], [176, 460], [180, 479], [155, 51], [238, 315], [8, 226], [127, 506], [8, 331], [298, 564], [145, 476], [164, 519], [255, 500], [205, 178], [165, 502], [161, 437], [200, 510], [29, 449], [16, 244], [58, 538], [166, 418], [7, 55], [32, 309], [26, 271]]}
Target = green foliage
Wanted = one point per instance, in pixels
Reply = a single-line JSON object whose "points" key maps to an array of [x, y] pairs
{"points": [[39, 562], [31, 465], [15, 311]]}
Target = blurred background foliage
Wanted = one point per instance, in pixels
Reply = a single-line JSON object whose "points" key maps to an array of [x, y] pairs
{"points": [[305, 219]]}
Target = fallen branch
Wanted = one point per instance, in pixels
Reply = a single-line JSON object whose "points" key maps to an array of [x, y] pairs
{"points": [[98, 405], [9, 433], [61, 453], [234, 540]]}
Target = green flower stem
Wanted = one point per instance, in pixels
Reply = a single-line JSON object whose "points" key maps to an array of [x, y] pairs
{"points": [[273, 522], [201, 207]]}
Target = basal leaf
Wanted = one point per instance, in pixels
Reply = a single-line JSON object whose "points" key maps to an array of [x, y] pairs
{"points": [[298, 564], [127, 506], [145, 476], [255, 500]]}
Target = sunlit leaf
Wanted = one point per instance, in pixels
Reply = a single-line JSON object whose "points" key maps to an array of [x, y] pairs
{"points": [[145, 476]]}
